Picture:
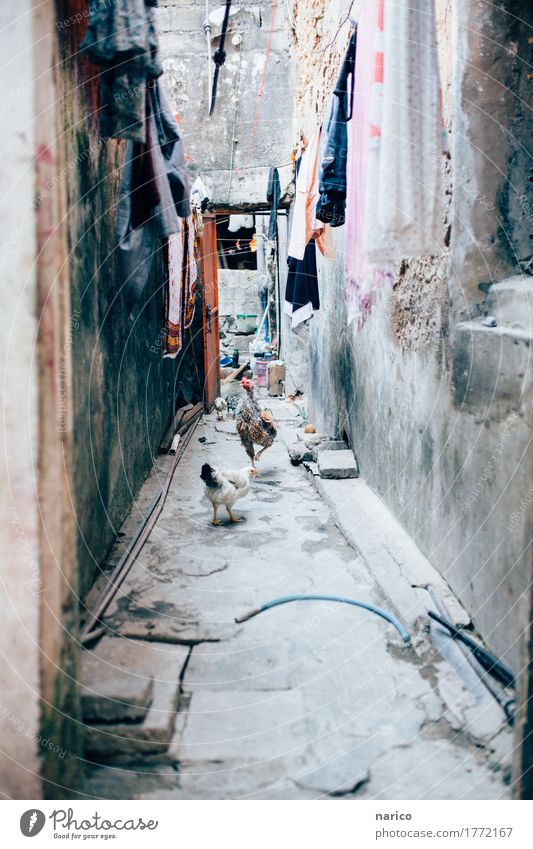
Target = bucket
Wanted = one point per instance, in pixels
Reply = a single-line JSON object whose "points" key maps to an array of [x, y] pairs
{"points": [[246, 322], [261, 369]]}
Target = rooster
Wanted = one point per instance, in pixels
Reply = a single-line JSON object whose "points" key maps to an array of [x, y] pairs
{"points": [[225, 487], [254, 425]]}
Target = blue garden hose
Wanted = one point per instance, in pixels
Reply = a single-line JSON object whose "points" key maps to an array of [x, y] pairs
{"points": [[340, 598]]}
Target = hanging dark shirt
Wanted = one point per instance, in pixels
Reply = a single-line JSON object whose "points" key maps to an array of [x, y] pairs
{"points": [[273, 196], [331, 204]]}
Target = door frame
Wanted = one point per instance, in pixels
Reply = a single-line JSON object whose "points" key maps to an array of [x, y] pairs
{"points": [[210, 316]]}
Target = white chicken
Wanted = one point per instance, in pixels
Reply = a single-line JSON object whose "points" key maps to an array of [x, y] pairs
{"points": [[225, 487], [220, 406]]}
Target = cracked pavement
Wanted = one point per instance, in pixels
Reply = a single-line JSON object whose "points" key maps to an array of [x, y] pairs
{"points": [[305, 701]]}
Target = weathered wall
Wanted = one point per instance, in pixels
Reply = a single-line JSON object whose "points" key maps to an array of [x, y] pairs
{"points": [[19, 588], [433, 405], [124, 392], [251, 127], [237, 293]]}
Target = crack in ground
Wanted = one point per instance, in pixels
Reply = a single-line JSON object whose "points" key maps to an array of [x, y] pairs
{"points": [[206, 574], [335, 794]]}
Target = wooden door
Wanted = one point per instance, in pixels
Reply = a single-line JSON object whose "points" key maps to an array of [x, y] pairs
{"points": [[209, 265]]}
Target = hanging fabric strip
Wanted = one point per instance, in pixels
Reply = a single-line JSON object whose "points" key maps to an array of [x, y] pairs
{"points": [[174, 323], [190, 271], [405, 217], [305, 224], [362, 279]]}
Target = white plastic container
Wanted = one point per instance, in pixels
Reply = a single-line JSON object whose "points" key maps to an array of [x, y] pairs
{"points": [[246, 322]]}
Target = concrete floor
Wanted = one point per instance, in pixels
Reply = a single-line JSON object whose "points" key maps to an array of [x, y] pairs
{"points": [[307, 701]]}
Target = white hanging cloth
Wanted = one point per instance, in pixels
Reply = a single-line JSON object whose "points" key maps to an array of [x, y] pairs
{"points": [[404, 200]]}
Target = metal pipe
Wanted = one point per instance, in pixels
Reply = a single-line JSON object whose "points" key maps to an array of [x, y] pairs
{"points": [[207, 30], [336, 598]]}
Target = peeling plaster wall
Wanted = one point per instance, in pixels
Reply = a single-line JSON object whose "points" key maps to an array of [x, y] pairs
{"points": [[251, 128], [449, 463]]}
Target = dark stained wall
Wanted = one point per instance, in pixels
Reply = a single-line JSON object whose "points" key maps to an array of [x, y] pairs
{"points": [[124, 392]]}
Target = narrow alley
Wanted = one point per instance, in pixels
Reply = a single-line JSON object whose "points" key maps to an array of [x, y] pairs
{"points": [[307, 701]]}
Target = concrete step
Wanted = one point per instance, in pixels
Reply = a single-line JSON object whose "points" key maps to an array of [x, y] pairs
{"points": [[389, 553], [337, 464], [109, 694], [511, 303], [150, 673], [491, 367]]}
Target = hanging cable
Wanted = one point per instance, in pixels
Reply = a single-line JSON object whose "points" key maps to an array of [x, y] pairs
{"points": [[219, 56], [290, 15]]}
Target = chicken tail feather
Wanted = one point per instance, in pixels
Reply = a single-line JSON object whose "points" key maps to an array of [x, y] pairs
{"points": [[208, 477]]}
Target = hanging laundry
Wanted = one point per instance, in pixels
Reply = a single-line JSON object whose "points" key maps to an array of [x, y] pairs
{"points": [[145, 196], [199, 197], [301, 294], [190, 272], [122, 40], [240, 222], [174, 320], [331, 205], [180, 300], [171, 153], [362, 278], [273, 196], [404, 215], [153, 170], [305, 224]]}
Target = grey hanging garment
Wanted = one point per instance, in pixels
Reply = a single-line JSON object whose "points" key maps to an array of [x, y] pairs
{"points": [[122, 39], [161, 184]]}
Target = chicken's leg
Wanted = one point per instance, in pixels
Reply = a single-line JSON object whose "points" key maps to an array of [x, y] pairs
{"points": [[249, 448], [216, 520], [232, 516], [258, 455]]}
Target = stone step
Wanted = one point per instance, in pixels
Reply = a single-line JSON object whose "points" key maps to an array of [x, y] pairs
{"points": [[511, 303], [491, 367], [148, 674], [110, 695], [337, 465]]}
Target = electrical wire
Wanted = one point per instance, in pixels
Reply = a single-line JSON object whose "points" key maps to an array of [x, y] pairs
{"points": [[344, 20], [290, 15], [261, 89]]}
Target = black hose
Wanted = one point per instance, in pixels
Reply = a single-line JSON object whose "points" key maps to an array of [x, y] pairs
{"points": [[495, 667], [219, 56]]}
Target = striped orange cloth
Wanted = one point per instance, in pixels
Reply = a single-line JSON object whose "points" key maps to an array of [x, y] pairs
{"points": [[182, 285]]}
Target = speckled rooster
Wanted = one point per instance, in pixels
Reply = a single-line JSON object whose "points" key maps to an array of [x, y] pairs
{"points": [[254, 425]]}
